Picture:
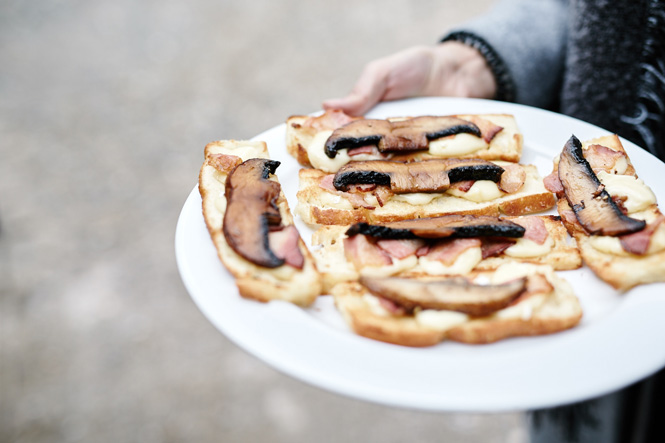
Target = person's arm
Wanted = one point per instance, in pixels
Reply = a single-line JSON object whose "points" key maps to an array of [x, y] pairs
{"points": [[524, 44], [515, 52]]}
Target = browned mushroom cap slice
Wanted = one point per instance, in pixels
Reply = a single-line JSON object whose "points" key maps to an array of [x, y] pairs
{"points": [[251, 210], [425, 176], [453, 294], [445, 226], [592, 204], [407, 135]]}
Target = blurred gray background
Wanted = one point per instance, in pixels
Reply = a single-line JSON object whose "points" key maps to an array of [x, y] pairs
{"points": [[105, 107]]}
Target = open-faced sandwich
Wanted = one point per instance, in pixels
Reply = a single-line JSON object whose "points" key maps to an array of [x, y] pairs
{"points": [[439, 246], [330, 140], [610, 211], [517, 299], [377, 191], [249, 221]]}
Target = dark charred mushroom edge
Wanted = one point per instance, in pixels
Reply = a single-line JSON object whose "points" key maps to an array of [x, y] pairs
{"points": [[424, 176], [251, 211], [445, 226], [592, 204], [400, 136], [453, 294]]}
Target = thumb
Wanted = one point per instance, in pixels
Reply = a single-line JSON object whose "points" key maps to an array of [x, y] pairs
{"points": [[352, 104]]}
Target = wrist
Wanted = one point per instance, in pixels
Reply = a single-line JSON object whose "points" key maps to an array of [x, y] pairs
{"points": [[504, 84], [464, 71]]}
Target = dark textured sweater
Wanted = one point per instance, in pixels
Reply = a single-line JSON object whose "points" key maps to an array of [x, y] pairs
{"points": [[602, 61]]}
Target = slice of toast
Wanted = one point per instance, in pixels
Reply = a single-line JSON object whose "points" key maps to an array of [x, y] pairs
{"points": [[299, 286], [318, 205], [605, 255], [544, 308], [328, 246], [306, 137]]}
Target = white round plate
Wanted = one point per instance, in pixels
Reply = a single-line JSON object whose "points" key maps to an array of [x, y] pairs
{"points": [[619, 341]]}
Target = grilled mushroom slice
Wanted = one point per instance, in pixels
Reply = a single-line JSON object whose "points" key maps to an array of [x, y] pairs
{"points": [[592, 204], [445, 226], [407, 135], [452, 294], [424, 176], [251, 211]]}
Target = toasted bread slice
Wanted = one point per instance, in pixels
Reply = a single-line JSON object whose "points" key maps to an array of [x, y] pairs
{"points": [[606, 256], [558, 250], [544, 308], [306, 136], [299, 286], [319, 206]]}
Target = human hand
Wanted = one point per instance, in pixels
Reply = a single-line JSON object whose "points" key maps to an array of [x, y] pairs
{"points": [[448, 69]]}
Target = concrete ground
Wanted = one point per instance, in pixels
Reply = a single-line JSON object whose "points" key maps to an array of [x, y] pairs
{"points": [[105, 107]]}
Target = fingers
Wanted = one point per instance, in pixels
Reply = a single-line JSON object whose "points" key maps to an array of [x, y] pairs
{"points": [[400, 75], [367, 92]]}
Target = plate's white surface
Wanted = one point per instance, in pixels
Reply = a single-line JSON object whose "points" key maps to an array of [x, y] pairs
{"points": [[619, 341]]}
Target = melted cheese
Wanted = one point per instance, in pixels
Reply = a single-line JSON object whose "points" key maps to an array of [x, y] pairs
{"points": [[416, 198], [439, 320], [525, 248], [612, 245], [328, 199], [481, 191], [317, 154], [639, 196], [513, 270], [374, 305], [525, 309], [464, 263], [398, 265], [456, 145]]}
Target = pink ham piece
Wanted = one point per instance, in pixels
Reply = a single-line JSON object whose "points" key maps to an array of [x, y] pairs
{"points": [[638, 242], [400, 248], [602, 158], [224, 162], [488, 130], [512, 179], [493, 246], [447, 251], [361, 252], [326, 183], [390, 306], [463, 186], [329, 120], [382, 194], [536, 231], [369, 149], [355, 195], [553, 184], [284, 244]]}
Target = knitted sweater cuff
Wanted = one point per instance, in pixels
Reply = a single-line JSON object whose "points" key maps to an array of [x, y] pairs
{"points": [[505, 86]]}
